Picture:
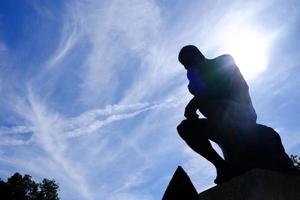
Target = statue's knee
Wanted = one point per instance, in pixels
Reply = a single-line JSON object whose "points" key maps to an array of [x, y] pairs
{"points": [[275, 136], [183, 130], [278, 143], [274, 142], [270, 134], [180, 128]]}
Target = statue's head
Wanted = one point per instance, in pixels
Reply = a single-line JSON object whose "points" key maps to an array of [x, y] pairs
{"points": [[190, 55]]}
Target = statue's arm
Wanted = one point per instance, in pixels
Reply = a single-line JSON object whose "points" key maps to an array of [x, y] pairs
{"points": [[192, 107], [240, 95]]}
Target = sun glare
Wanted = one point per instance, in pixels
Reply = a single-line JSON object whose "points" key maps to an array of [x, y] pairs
{"points": [[249, 52]]}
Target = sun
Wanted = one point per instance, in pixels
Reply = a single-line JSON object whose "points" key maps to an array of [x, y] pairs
{"points": [[250, 51]]}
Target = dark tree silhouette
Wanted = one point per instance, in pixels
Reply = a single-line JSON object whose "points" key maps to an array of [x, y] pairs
{"points": [[49, 190], [20, 187], [296, 161]]}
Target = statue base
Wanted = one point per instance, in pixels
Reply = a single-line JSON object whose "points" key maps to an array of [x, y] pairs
{"points": [[257, 184]]}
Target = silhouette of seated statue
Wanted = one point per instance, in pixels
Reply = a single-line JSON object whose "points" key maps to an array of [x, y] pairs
{"points": [[221, 94]]}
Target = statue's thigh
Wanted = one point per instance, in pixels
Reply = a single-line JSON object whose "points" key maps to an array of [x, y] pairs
{"points": [[194, 130]]}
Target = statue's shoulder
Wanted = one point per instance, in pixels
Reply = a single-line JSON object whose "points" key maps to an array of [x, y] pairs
{"points": [[226, 59], [225, 62]]}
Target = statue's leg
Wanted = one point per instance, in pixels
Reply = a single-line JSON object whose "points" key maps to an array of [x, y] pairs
{"points": [[277, 157], [196, 133]]}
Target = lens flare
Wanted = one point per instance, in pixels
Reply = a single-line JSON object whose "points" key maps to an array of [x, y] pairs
{"points": [[250, 51]]}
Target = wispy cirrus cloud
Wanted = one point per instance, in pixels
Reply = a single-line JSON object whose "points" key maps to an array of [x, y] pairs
{"points": [[101, 110], [117, 31], [50, 132], [46, 129]]}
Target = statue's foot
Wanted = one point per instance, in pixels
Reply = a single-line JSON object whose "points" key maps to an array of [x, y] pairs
{"points": [[221, 178], [226, 173]]}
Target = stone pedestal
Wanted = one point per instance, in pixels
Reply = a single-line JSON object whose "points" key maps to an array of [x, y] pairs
{"points": [[180, 187], [256, 184]]}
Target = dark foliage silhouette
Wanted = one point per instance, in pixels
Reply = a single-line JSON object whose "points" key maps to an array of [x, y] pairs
{"points": [[296, 161], [20, 187]]}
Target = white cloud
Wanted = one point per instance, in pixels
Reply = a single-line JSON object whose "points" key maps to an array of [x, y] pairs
{"points": [[47, 130], [15, 129], [129, 196], [114, 30], [118, 36], [51, 133], [13, 142]]}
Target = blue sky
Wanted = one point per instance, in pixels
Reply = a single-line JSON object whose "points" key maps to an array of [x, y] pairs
{"points": [[91, 92]]}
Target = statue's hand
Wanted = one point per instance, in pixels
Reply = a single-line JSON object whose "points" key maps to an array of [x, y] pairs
{"points": [[190, 114]]}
